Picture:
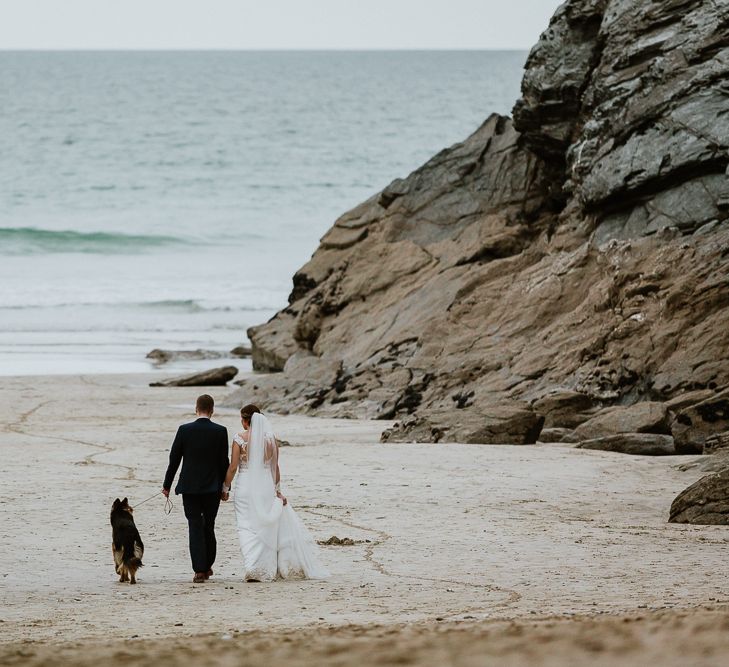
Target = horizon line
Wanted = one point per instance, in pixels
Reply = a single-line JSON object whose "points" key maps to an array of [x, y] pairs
{"points": [[254, 50]]}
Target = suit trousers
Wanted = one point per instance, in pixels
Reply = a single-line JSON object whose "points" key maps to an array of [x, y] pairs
{"points": [[200, 511]]}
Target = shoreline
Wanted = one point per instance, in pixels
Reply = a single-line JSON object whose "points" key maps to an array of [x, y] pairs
{"points": [[138, 365], [464, 533]]}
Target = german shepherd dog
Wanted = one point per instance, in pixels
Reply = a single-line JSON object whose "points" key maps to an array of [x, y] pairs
{"points": [[126, 544]]}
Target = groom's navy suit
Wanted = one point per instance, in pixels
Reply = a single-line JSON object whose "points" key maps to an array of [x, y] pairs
{"points": [[202, 447]]}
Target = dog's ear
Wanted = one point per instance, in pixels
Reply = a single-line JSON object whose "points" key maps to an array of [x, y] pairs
{"points": [[125, 501], [116, 503]]}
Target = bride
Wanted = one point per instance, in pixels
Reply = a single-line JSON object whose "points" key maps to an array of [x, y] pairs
{"points": [[273, 540]]}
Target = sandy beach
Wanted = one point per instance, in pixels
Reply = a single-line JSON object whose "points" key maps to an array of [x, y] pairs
{"points": [[410, 241], [451, 540]]}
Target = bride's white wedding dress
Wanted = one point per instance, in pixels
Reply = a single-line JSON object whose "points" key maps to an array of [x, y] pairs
{"points": [[273, 540]]}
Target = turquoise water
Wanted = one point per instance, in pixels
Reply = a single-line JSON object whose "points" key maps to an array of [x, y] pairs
{"points": [[166, 199]]}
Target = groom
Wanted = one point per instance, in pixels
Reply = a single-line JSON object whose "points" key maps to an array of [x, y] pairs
{"points": [[202, 447]]}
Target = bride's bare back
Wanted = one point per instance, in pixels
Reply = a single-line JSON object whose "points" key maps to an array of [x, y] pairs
{"points": [[239, 453]]}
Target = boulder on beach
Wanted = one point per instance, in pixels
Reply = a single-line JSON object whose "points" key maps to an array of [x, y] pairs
{"points": [[705, 501], [241, 351], [638, 444], [643, 417], [694, 424], [495, 425], [216, 377], [571, 258], [555, 434]]}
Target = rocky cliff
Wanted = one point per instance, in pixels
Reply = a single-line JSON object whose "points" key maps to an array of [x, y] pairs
{"points": [[550, 266]]}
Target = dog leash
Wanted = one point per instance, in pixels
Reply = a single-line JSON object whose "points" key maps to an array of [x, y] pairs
{"points": [[168, 503]]}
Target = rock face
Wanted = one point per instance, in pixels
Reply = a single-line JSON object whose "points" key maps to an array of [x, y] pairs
{"points": [[643, 444], [704, 502], [217, 377], [579, 250]]}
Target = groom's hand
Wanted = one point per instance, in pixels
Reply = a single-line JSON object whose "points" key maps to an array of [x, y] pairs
{"points": [[166, 493], [224, 496]]}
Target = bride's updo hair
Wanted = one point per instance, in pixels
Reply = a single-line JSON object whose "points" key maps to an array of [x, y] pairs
{"points": [[247, 412]]}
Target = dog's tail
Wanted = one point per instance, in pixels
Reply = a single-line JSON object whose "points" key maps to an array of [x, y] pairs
{"points": [[133, 552]]}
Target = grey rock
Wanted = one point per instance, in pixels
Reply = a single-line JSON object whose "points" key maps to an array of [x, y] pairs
{"points": [[556, 73], [704, 502], [657, 109], [707, 228], [641, 444], [241, 351], [216, 377], [694, 424]]}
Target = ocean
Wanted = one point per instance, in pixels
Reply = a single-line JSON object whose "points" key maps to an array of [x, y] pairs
{"points": [[165, 199]]}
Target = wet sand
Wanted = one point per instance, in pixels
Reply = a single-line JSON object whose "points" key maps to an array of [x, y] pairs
{"points": [[670, 639], [451, 540]]}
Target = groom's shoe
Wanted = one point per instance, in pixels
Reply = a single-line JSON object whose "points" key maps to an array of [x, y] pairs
{"points": [[199, 578], [209, 574]]}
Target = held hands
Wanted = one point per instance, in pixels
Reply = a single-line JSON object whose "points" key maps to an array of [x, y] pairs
{"points": [[224, 495]]}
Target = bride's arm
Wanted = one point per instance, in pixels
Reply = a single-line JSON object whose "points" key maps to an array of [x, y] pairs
{"points": [[275, 470], [234, 461]]}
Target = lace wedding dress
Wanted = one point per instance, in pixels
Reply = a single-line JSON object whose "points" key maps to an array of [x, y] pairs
{"points": [[273, 540]]}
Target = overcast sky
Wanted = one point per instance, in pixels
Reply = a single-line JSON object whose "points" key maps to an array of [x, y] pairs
{"points": [[273, 24]]}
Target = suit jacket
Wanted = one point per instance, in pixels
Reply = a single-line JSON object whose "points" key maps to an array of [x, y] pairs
{"points": [[202, 447]]}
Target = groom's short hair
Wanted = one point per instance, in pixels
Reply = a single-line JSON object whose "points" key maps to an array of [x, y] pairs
{"points": [[205, 404]]}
